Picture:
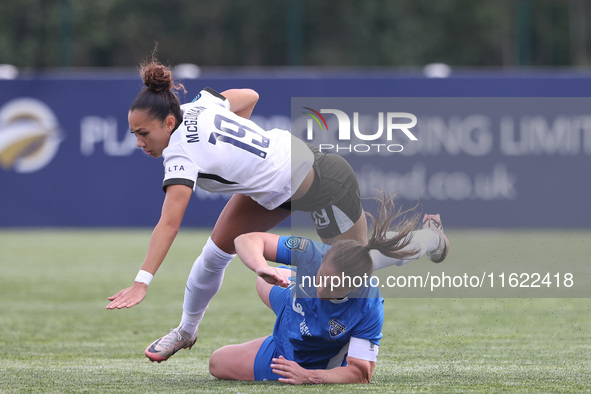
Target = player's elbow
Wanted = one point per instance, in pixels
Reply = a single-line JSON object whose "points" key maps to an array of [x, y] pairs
{"points": [[169, 229], [241, 239], [362, 372], [250, 96], [173, 230], [241, 100], [244, 239]]}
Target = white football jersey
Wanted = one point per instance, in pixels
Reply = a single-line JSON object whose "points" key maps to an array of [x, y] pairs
{"points": [[222, 152]]}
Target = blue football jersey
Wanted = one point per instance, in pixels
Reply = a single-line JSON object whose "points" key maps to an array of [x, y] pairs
{"points": [[315, 333]]}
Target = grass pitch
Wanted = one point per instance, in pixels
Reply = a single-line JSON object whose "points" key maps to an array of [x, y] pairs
{"points": [[57, 336]]}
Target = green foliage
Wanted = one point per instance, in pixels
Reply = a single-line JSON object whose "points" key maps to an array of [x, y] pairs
{"points": [[56, 335], [341, 33]]}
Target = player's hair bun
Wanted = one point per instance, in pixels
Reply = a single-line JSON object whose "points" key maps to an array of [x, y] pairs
{"points": [[159, 97], [156, 76]]}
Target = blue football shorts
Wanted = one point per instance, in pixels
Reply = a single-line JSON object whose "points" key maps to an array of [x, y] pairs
{"points": [[278, 298], [333, 200]]}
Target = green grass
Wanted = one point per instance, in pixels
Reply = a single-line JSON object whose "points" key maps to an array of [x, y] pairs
{"points": [[57, 336]]}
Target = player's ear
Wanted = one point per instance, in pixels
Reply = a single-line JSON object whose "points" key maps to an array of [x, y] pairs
{"points": [[170, 122]]}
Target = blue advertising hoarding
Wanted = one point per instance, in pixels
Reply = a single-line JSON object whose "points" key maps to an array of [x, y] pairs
{"points": [[482, 161], [500, 159]]}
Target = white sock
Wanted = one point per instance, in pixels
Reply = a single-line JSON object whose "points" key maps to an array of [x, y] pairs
{"points": [[424, 240], [203, 283]]}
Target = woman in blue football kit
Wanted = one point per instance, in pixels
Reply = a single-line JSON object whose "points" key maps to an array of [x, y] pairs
{"points": [[327, 330], [210, 143]]}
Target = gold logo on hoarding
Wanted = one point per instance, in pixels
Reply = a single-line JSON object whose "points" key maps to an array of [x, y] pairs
{"points": [[29, 135]]}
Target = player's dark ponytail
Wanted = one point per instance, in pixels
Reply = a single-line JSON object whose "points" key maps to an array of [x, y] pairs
{"points": [[353, 258], [158, 98], [389, 240]]}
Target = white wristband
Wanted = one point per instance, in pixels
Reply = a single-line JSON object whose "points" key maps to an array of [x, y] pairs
{"points": [[144, 277]]}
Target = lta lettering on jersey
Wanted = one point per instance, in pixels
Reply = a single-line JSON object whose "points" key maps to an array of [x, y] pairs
{"points": [[175, 168]]}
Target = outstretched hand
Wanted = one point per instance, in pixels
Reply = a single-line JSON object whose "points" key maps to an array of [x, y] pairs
{"points": [[273, 276], [129, 297]]}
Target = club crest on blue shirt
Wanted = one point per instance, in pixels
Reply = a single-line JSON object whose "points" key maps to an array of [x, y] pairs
{"points": [[336, 328], [297, 243]]}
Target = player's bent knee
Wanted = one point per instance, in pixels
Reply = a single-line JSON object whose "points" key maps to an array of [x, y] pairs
{"points": [[216, 364], [227, 363]]}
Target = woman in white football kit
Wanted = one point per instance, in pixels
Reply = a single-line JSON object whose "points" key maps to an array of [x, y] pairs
{"points": [[210, 143]]}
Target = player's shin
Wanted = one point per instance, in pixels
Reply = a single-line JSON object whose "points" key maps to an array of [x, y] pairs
{"points": [[203, 283]]}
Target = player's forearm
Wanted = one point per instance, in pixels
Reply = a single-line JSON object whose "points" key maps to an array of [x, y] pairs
{"points": [[173, 210], [250, 250], [160, 243], [348, 374]]}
